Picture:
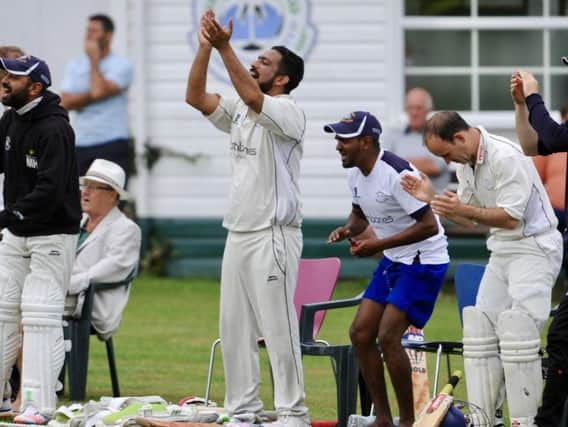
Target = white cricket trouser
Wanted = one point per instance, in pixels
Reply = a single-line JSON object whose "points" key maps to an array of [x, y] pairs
{"points": [[34, 277], [520, 275], [258, 281]]}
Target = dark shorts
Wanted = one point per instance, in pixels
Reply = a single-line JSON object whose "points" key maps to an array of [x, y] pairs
{"points": [[411, 288]]}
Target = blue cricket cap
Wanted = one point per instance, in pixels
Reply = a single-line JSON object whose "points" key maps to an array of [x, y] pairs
{"points": [[35, 68], [357, 123]]}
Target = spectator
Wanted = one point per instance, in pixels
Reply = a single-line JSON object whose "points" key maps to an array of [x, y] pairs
{"points": [[108, 248], [40, 222], [264, 241], [499, 187], [408, 144], [538, 133], [409, 277], [95, 86]]}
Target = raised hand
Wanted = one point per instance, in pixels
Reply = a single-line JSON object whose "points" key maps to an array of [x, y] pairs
{"points": [[217, 35], [92, 49], [420, 188], [201, 34], [517, 92], [530, 84]]}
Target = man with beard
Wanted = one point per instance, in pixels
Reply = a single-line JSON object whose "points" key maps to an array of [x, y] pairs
{"points": [[264, 241], [95, 86], [40, 224]]}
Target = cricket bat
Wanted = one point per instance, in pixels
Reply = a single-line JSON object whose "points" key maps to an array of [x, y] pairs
{"points": [[420, 384], [436, 409]]}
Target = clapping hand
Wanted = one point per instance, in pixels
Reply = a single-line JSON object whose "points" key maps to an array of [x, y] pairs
{"points": [[420, 188], [446, 204], [217, 35]]}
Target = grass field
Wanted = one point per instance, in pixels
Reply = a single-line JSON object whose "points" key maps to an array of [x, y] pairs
{"points": [[162, 346]]}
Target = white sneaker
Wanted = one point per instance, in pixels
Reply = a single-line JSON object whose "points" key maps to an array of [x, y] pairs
{"points": [[31, 416], [290, 421], [355, 420], [246, 419]]}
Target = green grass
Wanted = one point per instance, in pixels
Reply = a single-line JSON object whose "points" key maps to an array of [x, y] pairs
{"points": [[163, 344]]}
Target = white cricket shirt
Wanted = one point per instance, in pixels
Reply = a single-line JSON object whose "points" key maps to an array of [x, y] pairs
{"points": [[389, 209], [266, 149], [504, 177]]}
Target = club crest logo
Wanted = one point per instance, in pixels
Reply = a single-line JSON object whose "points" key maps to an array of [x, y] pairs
{"points": [[257, 26]]}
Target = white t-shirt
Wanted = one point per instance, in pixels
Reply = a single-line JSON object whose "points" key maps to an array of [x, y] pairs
{"points": [[266, 149], [505, 178], [390, 210]]}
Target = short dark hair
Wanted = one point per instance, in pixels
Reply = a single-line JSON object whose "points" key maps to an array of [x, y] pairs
{"points": [[292, 66], [444, 125], [105, 20]]}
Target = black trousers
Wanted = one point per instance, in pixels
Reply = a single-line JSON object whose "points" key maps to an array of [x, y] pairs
{"points": [[116, 151], [556, 386]]}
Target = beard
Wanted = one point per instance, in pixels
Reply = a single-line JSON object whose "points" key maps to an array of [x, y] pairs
{"points": [[16, 99], [266, 86]]}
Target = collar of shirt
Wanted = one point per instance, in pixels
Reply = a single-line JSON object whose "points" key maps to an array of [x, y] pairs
{"points": [[482, 149], [29, 106]]}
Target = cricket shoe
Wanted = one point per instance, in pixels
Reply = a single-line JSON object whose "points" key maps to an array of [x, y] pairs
{"points": [[31, 416], [290, 421]]}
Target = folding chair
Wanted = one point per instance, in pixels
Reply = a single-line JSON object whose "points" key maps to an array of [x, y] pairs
{"points": [[78, 331], [316, 282]]}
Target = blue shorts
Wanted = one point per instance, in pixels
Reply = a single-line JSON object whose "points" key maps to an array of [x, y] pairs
{"points": [[411, 288]]}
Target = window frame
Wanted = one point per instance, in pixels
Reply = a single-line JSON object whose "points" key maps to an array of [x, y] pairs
{"points": [[475, 24]]}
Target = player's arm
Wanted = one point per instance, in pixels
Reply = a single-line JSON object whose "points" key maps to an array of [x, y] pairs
{"points": [[528, 138], [245, 85], [196, 94], [355, 224], [425, 226]]}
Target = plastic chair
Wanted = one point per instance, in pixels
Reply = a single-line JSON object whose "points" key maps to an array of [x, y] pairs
{"points": [[466, 281], [346, 370], [316, 282], [78, 331]]}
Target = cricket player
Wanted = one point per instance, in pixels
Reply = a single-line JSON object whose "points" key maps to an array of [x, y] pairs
{"points": [[499, 187], [264, 242], [40, 225], [408, 279]]}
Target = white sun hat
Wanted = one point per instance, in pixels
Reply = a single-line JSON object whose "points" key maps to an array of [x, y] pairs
{"points": [[108, 173]]}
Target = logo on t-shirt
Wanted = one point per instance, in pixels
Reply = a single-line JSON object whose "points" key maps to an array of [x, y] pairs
{"points": [[31, 159], [381, 197], [7, 144], [241, 150]]}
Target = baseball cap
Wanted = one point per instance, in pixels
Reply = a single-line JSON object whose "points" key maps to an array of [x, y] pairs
{"points": [[357, 123], [28, 65]]}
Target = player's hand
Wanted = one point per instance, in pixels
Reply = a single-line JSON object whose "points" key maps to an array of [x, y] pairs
{"points": [[365, 247], [92, 49], [216, 34], [201, 34], [420, 188], [339, 234], [446, 204], [517, 92], [530, 84]]}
